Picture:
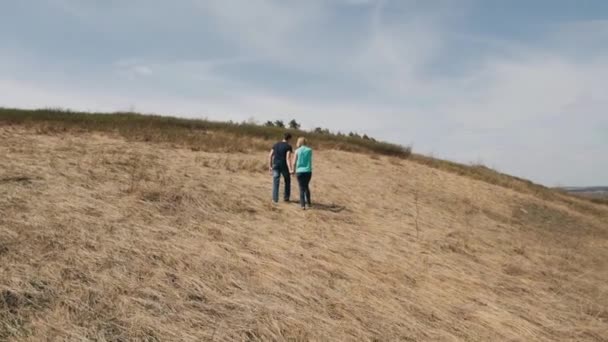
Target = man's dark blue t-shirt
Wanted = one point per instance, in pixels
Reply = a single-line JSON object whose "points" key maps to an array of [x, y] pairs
{"points": [[280, 154]]}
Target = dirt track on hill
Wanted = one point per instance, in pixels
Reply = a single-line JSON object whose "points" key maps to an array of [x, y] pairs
{"points": [[107, 240]]}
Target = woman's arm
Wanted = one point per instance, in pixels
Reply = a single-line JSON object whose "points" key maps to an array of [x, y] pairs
{"points": [[292, 163]]}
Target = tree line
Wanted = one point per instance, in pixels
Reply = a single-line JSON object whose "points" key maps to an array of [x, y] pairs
{"points": [[293, 124]]}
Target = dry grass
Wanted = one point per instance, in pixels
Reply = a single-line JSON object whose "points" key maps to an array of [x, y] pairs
{"points": [[601, 198], [108, 239], [194, 133], [212, 136], [488, 175]]}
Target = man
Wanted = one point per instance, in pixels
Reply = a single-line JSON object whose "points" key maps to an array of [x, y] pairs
{"points": [[280, 164]]}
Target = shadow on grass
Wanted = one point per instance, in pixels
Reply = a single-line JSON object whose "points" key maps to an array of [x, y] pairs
{"points": [[22, 180], [334, 208]]}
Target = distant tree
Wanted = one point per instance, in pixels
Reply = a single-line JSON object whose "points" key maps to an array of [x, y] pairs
{"points": [[279, 123], [351, 134], [293, 124], [366, 137], [269, 124], [320, 130]]}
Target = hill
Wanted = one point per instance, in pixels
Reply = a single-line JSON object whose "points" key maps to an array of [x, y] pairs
{"points": [[215, 136], [120, 232], [593, 191], [587, 189], [597, 194]]}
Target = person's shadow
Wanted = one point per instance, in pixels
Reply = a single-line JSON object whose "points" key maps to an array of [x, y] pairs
{"points": [[334, 208]]}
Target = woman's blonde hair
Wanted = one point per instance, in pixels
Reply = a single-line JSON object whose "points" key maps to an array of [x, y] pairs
{"points": [[302, 141]]}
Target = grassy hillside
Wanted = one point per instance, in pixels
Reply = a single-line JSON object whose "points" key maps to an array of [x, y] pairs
{"points": [[110, 233], [211, 136], [193, 133]]}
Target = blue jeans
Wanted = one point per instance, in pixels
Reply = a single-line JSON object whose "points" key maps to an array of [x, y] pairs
{"points": [[304, 181], [276, 183]]}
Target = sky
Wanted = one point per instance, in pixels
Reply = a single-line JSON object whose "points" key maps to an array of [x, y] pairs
{"points": [[520, 86]]}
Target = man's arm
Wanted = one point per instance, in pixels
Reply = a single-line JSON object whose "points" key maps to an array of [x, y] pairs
{"points": [[270, 157]]}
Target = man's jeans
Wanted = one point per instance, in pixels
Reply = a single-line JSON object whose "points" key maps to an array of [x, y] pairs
{"points": [[276, 183]]}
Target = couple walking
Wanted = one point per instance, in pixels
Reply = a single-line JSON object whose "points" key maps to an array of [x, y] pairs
{"points": [[284, 162]]}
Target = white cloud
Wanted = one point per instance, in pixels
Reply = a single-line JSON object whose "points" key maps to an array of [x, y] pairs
{"points": [[142, 70], [396, 51], [265, 27]]}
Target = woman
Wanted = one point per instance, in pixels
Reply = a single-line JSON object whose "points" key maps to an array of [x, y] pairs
{"points": [[302, 166]]}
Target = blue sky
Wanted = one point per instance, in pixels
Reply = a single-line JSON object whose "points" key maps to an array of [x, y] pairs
{"points": [[517, 85]]}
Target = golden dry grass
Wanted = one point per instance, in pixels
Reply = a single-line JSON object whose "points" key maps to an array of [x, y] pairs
{"points": [[105, 239], [216, 136], [194, 133]]}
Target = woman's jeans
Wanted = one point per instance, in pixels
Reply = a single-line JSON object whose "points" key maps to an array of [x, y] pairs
{"points": [[304, 181]]}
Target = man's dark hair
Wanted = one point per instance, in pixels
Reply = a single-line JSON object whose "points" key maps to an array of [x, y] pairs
{"points": [[287, 136]]}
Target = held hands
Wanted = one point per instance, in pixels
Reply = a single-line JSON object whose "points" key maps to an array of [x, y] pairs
{"points": [[271, 171]]}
